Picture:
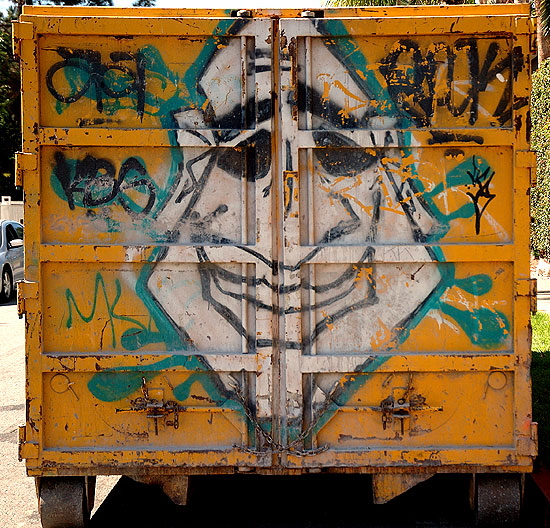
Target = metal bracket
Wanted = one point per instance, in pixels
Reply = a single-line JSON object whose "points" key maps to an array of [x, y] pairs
{"points": [[21, 31], [25, 291], [26, 449], [527, 159], [24, 161], [527, 288]]}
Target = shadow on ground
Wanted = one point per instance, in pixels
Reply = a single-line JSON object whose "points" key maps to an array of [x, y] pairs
{"points": [[312, 501]]}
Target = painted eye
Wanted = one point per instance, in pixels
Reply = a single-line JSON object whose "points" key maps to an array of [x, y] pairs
{"points": [[256, 164], [341, 156]]}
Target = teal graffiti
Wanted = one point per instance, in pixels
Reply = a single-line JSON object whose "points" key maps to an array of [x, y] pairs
{"points": [[178, 92], [100, 291], [475, 173], [93, 183], [485, 328], [120, 382], [345, 391]]}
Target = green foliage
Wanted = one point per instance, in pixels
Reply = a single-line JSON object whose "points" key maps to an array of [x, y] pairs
{"points": [[544, 16], [10, 108], [541, 332], [540, 375], [540, 143]]}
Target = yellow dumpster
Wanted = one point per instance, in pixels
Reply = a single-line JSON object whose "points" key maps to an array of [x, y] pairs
{"points": [[276, 241]]}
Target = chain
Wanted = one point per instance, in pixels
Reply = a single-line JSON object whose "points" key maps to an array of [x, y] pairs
{"points": [[276, 447]]}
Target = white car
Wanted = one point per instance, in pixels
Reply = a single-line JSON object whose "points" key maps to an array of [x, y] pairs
{"points": [[11, 257]]}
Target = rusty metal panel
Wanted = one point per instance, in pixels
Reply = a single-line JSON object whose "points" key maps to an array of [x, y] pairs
{"points": [[165, 233], [283, 242], [400, 157]]}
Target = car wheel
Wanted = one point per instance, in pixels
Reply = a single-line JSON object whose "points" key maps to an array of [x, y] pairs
{"points": [[6, 286]]}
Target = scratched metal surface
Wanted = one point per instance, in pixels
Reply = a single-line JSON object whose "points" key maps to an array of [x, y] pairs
{"points": [[277, 242]]}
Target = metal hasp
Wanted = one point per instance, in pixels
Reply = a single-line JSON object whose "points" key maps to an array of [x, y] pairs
{"points": [[276, 241]]}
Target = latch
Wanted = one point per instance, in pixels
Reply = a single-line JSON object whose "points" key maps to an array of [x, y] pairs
{"points": [[399, 408], [156, 408], [290, 190]]}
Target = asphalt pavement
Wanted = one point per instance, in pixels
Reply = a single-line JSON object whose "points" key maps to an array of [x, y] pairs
{"points": [[18, 503]]}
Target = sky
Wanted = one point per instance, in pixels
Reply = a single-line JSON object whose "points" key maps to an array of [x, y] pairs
{"points": [[220, 4]]}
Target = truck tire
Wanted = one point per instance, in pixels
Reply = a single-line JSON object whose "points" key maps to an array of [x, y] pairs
{"points": [[498, 500], [63, 502]]}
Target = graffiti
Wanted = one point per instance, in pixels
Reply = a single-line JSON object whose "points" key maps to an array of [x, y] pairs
{"points": [[412, 76], [473, 172], [89, 76], [481, 180], [110, 305], [214, 189], [92, 182]]}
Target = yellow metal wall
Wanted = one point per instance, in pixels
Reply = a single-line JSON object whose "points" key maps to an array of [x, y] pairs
{"points": [[277, 241]]}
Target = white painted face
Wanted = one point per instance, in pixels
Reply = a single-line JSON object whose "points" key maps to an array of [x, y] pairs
{"points": [[361, 196]]}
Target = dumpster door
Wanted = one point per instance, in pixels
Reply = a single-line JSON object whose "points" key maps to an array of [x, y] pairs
{"points": [[398, 169], [340, 283], [153, 249]]}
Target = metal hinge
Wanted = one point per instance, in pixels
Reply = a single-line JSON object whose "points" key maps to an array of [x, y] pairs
{"points": [[26, 449], [21, 31], [25, 291], [528, 288], [309, 13], [24, 161]]}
